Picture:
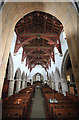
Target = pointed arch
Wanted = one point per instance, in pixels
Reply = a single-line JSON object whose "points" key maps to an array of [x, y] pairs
{"points": [[8, 80], [17, 79], [64, 64]]}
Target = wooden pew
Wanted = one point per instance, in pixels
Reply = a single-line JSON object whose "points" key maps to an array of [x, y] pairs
{"points": [[21, 102], [64, 104], [65, 114], [71, 96], [9, 114]]}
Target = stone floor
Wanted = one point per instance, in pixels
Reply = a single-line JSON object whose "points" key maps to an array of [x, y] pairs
{"points": [[38, 111]]}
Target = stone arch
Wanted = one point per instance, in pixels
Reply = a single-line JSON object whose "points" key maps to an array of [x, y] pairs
{"points": [[18, 74], [8, 81], [63, 72], [10, 68], [17, 79], [10, 75], [41, 77], [67, 15], [64, 64], [23, 75]]}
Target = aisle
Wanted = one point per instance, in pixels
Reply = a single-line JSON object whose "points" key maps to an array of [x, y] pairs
{"points": [[38, 106]]}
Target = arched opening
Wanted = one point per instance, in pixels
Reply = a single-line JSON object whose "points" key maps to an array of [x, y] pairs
{"points": [[17, 79], [38, 79], [70, 78], [67, 73], [38, 32], [51, 8]]}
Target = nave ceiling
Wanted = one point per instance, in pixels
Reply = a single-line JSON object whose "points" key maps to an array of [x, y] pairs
{"points": [[38, 33]]}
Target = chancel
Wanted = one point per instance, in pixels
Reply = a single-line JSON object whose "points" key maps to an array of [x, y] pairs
{"points": [[39, 63]]}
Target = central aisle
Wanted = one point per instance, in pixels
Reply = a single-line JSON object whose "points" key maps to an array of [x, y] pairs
{"points": [[38, 106]]}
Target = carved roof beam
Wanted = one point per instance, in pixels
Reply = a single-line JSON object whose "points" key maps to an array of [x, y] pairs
{"points": [[17, 45], [31, 51], [53, 35], [37, 64], [58, 45], [50, 41], [36, 47], [60, 31], [41, 60], [16, 31], [45, 51], [37, 56], [40, 55], [31, 38], [52, 55]]}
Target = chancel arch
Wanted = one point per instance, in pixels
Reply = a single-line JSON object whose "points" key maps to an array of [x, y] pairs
{"points": [[67, 15], [39, 28], [38, 77]]}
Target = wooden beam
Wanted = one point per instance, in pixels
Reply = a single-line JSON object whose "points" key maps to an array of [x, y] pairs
{"points": [[38, 64], [35, 47], [44, 34]]}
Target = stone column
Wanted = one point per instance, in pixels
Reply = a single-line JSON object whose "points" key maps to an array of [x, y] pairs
{"points": [[47, 82], [71, 82], [31, 81], [23, 83], [18, 85], [64, 86], [53, 85], [56, 85], [50, 82], [11, 87]]}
